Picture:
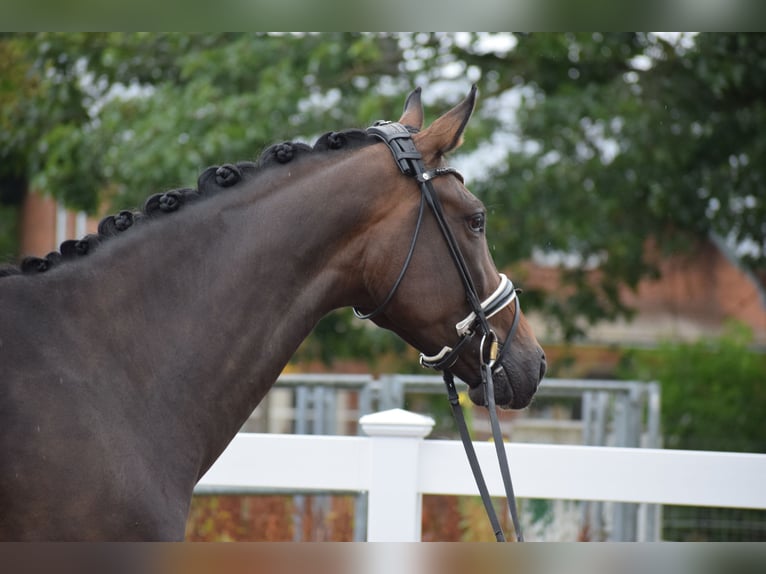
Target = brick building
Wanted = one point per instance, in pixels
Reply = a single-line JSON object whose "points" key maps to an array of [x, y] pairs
{"points": [[695, 296], [45, 224]]}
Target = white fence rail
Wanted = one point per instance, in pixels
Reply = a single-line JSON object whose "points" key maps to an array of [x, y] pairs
{"points": [[396, 467]]}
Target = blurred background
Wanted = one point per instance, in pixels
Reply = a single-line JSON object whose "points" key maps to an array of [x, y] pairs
{"points": [[626, 190]]}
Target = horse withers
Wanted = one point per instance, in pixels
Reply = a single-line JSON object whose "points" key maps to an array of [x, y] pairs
{"points": [[132, 358]]}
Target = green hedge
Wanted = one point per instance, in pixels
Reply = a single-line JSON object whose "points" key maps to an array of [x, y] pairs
{"points": [[713, 391]]}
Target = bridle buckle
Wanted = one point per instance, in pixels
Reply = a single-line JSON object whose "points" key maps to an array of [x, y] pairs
{"points": [[494, 348]]}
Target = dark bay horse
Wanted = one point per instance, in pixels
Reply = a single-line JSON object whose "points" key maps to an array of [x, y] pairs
{"points": [[127, 371]]}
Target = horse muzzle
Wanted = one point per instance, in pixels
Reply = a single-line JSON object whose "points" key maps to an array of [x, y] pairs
{"points": [[516, 377]]}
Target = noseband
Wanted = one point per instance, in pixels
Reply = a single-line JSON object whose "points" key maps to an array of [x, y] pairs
{"points": [[398, 138]]}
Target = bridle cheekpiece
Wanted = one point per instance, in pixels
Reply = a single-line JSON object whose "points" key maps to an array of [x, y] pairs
{"points": [[398, 139]]}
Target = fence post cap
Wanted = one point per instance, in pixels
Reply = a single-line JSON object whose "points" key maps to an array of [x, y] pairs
{"points": [[397, 423]]}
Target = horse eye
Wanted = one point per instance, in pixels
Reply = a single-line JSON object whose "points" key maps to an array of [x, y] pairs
{"points": [[476, 222]]}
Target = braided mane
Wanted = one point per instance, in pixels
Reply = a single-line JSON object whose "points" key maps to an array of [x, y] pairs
{"points": [[210, 182]]}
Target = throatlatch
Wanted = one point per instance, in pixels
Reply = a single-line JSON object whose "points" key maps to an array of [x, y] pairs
{"points": [[398, 138]]}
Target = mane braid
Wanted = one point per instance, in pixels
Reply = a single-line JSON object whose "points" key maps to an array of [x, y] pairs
{"points": [[211, 181]]}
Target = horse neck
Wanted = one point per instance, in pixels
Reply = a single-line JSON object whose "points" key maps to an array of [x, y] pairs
{"points": [[218, 296]]}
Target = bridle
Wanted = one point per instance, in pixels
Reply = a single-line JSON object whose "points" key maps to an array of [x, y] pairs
{"points": [[398, 138]]}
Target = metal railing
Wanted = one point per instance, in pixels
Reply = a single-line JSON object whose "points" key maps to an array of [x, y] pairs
{"points": [[609, 413]]}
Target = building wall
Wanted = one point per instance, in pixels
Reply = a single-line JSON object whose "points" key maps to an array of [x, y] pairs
{"points": [[44, 225], [696, 295], [38, 225]]}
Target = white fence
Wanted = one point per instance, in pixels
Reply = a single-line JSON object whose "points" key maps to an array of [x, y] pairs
{"points": [[396, 467]]}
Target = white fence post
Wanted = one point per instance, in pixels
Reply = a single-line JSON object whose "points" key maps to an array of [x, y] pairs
{"points": [[394, 503]]}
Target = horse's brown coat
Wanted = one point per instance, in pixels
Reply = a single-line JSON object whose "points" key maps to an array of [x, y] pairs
{"points": [[126, 373]]}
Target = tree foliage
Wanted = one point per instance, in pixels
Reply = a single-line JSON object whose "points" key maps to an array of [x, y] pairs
{"points": [[588, 143], [712, 391], [629, 136]]}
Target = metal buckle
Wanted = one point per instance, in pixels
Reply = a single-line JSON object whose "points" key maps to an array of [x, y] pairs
{"points": [[489, 356]]}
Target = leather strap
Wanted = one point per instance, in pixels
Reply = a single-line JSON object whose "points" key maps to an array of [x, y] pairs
{"points": [[409, 160]]}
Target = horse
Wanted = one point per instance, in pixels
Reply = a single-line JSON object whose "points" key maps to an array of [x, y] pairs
{"points": [[131, 358]]}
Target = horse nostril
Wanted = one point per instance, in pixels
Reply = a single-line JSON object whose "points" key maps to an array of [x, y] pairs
{"points": [[543, 367]]}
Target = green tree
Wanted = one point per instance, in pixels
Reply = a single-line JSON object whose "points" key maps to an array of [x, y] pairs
{"points": [[592, 142], [112, 118], [123, 115], [623, 137]]}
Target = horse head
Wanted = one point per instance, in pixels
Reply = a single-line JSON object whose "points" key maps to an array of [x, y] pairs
{"points": [[432, 279]]}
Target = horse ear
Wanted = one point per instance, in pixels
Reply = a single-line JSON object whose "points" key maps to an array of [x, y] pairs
{"points": [[413, 111], [446, 133]]}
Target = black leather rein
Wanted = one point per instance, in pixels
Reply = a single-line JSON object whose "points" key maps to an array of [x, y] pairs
{"points": [[398, 138]]}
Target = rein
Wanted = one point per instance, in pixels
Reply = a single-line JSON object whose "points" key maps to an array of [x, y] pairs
{"points": [[398, 139]]}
